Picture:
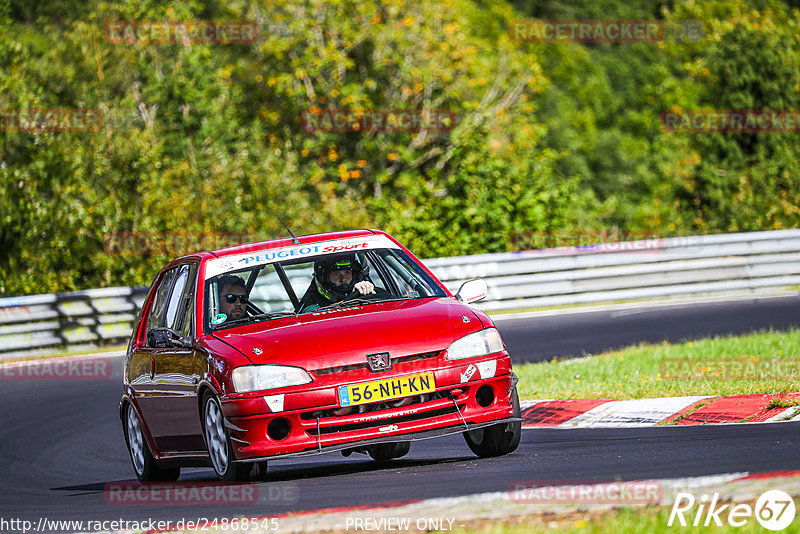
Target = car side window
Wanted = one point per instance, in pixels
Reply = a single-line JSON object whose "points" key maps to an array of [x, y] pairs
{"points": [[188, 313], [405, 288], [179, 308], [186, 309], [176, 296], [160, 300], [415, 282]]}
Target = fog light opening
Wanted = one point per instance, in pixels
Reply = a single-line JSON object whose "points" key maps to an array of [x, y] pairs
{"points": [[279, 428], [485, 396]]}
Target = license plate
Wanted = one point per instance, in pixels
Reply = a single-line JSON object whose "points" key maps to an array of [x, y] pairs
{"points": [[389, 388]]}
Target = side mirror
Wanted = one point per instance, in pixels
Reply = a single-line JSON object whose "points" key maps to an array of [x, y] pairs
{"points": [[472, 291], [164, 338]]}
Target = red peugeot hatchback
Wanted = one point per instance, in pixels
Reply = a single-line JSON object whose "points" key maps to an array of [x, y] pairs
{"points": [[330, 342]]}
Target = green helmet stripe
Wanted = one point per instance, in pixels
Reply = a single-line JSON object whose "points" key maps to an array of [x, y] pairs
{"points": [[325, 292]]}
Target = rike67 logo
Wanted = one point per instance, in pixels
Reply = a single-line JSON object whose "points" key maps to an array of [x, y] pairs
{"points": [[774, 510]]}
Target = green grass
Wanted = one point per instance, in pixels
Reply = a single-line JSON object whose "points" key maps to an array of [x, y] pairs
{"points": [[618, 521], [784, 403], [766, 362]]}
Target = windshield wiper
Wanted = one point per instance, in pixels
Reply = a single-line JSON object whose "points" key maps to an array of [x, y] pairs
{"points": [[273, 315], [359, 301], [259, 317]]}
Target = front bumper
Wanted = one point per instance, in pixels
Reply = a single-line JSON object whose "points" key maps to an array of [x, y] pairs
{"points": [[416, 436], [311, 426]]}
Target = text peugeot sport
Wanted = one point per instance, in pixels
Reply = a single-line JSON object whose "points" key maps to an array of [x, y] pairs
{"points": [[237, 358]]}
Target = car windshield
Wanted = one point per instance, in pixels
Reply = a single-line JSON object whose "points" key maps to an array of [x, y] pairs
{"points": [[269, 287]]}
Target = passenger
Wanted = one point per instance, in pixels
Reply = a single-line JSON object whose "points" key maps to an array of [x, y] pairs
{"points": [[335, 279]]}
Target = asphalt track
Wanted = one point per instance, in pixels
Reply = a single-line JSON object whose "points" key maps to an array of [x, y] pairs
{"points": [[61, 442], [558, 336]]}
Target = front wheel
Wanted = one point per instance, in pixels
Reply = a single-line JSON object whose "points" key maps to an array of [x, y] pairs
{"points": [[144, 464], [497, 440], [219, 446], [384, 452]]}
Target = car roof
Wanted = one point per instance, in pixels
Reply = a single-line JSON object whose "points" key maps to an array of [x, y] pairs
{"points": [[276, 243]]}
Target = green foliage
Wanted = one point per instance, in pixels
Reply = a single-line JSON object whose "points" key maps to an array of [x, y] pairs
{"points": [[750, 61], [203, 139]]}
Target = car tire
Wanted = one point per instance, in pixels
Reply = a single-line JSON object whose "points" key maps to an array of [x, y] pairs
{"points": [[258, 471], [144, 464], [218, 444], [384, 452], [497, 440]]}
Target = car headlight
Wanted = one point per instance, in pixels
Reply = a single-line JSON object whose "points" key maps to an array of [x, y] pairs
{"points": [[260, 377], [479, 343]]}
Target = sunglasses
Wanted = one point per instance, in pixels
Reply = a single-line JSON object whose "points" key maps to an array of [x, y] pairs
{"points": [[231, 298]]}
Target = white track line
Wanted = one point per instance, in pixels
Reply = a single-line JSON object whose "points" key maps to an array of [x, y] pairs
{"points": [[634, 306]]}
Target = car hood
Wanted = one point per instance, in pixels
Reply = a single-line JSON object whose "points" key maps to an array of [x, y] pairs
{"points": [[331, 338]]}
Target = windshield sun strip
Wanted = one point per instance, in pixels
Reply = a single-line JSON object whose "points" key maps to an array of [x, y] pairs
{"points": [[217, 266]]}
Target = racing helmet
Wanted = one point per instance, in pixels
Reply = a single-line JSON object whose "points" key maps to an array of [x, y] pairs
{"points": [[323, 268]]}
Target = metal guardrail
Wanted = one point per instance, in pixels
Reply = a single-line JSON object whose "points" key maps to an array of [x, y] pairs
{"points": [[81, 319], [725, 264]]}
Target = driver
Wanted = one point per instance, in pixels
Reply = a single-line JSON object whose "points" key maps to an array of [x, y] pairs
{"points": [[336, 278], [232, 297]]}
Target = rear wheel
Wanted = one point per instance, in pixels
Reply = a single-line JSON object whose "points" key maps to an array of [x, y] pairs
{"points": [[220, 450], [497, 440], [384, 452], [144, 464]]}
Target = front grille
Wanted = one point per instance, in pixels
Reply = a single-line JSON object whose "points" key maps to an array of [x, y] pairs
{"points": [[356, 366], [339, 369], [359, 409], [384, 422]]}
